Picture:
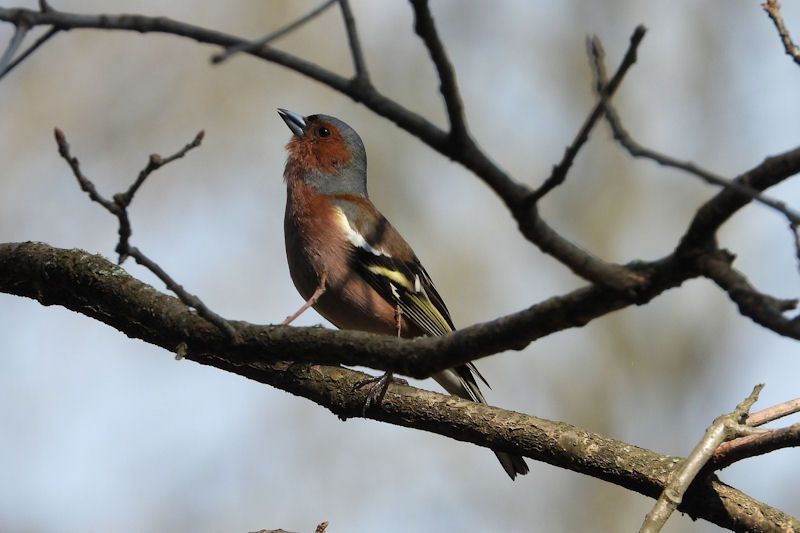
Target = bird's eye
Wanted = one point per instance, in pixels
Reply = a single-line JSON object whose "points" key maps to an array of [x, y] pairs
{"points": [[322, 131]]}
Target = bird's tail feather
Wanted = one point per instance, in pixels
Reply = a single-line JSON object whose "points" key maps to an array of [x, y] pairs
{"points": [[460, 382]]}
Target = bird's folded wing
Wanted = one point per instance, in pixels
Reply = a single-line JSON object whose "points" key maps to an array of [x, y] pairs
{"points": [[408, 286]]}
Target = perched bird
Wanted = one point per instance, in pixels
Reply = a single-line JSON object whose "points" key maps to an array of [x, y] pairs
{"points": [[349, 263]]}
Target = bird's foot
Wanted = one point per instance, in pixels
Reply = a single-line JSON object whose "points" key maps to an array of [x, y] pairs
{"points": [[379, 386]]}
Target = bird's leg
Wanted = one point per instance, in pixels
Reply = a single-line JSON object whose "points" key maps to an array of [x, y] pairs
{"points": [[381, 384], [398, 317], [376, 392], [323, 281]]}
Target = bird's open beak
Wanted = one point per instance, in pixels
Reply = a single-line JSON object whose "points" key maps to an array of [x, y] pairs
{"points": [[295, 121]]}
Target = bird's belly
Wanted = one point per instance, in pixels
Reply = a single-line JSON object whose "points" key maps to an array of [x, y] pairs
{"points": [[348, 301]]}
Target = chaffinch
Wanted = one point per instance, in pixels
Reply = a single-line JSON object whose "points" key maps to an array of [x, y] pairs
{"points": [[349, 263]]}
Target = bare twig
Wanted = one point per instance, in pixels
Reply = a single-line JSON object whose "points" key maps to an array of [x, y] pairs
{"points": [[118, 208], [359, 63], [761, 443], [754, 445], [426, 29], [761, 308], [249, 46], [154, 163], [759, 418], [20, 30], [86, 185], [635, 149], [773, 9], [31, 49], [560, 170], [793, 227], [186, 297], [723, 428]]}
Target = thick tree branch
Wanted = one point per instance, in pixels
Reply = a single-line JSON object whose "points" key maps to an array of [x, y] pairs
{"points": [[97, 288], [84, 290]]}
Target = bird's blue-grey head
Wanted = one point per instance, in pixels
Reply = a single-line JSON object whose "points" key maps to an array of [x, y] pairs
{"points": [[325, 153]]}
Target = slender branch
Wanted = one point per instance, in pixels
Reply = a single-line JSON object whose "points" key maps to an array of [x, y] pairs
{"points": [[467, 154], [759, 418], [250, 46], [426, 29], [635, 149], [20, 30], [723, 428], [154, 163], [761, 308], [97, 288], [559, 173], [86, 185], [359, 64], [715, 212], [186, 297], [755, 445], [773, 9], [119, 208], [760, 443], [30, 50]]}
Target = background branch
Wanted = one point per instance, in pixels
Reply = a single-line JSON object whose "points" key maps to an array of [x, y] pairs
{"points": [[604, 92], [119, 208], [272, 36]]}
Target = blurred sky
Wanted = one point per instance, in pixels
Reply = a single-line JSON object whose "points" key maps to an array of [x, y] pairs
{"points": [[99, 432]]}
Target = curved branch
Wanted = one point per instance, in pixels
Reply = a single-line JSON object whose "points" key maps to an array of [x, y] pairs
{"points": [[761, 308], [464, 152], [605, 91], [79, 281], [97, 288], [426, 29], [755, 445], [716, 211], [271, 36]]}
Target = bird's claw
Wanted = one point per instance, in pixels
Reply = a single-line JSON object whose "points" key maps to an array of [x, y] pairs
{"points": [[377, 391]]}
